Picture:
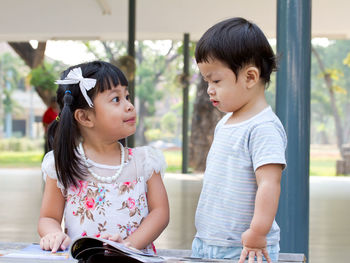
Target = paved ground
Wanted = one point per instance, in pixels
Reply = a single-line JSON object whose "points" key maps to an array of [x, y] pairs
{"points": [[20, 197]]}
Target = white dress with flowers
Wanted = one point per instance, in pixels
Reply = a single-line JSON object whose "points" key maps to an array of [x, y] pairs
{"points": [[96, 209]]}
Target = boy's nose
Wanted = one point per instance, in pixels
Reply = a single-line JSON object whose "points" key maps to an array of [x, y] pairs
{"points": [[210, 90]]}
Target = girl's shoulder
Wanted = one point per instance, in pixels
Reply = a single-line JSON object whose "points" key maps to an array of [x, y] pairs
{"points": [[48, 168], [48, 163], [149, 159]]}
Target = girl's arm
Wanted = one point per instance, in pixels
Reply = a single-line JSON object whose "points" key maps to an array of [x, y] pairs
{"points": [[157, 219], [51, 213], [266, 204]]}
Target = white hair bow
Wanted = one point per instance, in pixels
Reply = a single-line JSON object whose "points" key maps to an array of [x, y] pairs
{"points": [[75, 76]]}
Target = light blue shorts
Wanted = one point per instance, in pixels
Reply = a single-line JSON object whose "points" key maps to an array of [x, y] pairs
{"points": [[202, 250]]}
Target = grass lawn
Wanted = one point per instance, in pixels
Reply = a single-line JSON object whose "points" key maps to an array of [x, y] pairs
{"points": [[322, 160], [20, 159], [322, 167]]}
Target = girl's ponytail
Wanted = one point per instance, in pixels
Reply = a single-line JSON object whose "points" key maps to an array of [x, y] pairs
{"points": [[65, 144], [51, 131]]}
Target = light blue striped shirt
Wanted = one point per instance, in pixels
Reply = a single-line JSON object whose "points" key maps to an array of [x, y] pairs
{"points": [[226, 204]]}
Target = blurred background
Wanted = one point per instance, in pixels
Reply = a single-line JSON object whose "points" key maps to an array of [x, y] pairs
{"points": [[29, 66]]}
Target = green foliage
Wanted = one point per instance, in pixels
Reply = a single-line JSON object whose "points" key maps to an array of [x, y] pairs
{"points": [[153, 134], [346, 61], [45, 75], [12, 73], [169, 122], [334, 57], [20, 144]]}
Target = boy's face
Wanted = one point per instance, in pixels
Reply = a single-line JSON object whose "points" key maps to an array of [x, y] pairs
{"points": [[226, 92]]}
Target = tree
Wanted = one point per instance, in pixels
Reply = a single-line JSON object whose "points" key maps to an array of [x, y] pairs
{"points": [[33, 58], [12, 73], [43, 78], [150, 71], [329, 65], [204, 120]]}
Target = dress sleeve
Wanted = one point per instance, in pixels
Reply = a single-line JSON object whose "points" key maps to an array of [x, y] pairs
{"points": [[48, 168], [153, 161]]}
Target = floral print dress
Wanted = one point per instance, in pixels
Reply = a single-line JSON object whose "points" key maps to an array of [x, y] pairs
{"points": [[95, 209]]}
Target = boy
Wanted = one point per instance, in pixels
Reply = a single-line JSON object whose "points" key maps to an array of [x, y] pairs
{"points": [[241, 185]]}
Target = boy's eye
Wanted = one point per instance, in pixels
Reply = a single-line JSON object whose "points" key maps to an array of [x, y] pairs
{"points": [[127, 97], [216, 81], [116, 99]]}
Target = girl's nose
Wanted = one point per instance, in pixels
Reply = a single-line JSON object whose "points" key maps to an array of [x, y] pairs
{"points": [[130, 106]]}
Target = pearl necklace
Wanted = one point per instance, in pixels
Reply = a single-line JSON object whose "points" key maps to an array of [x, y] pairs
{"points": [[102, 179]]}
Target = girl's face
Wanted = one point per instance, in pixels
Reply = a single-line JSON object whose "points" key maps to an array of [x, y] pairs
{"points": [[226, 92], [114, 116]]}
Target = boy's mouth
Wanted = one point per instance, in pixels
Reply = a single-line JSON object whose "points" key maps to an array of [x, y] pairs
{"points": [[214, 102]]}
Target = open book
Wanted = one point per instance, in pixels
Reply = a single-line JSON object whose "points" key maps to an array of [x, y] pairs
{"points": [[103, 250]]}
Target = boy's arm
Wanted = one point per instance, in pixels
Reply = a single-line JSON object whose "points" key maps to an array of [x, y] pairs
{"points": [[266, 204], [157, 219]]}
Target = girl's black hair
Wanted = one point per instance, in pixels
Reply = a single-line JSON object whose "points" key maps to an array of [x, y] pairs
{"points": [[237, 43], [64, 134]]}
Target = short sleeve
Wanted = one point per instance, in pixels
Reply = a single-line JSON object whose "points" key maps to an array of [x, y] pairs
{"points": [[48, 168], [267, 145], [153, 161]]}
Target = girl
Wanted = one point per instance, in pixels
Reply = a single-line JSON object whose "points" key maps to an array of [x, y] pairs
{"points": [[100, 187]]}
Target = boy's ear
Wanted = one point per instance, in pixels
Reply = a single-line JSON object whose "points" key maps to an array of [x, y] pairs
{"points": [[84, 118], [252, 76]]}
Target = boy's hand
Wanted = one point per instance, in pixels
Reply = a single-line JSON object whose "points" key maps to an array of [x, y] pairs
{"points": [[251, 253], [254, 244], [55, 241]]}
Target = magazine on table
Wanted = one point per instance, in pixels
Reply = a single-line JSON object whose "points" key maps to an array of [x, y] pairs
{"points": [[84, 247], [101, 250]]}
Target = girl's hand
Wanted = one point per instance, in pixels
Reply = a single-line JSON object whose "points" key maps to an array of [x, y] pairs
{"points": [[254, 244], [117, 238], [55, 241]]}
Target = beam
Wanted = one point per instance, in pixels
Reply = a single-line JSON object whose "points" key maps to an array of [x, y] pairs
{"points": [[293, 108], [186, 73], [131, 53]]}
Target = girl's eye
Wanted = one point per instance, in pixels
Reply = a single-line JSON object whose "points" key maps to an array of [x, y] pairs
{"points": [[116, 99], [127, 97], [216, 81]]}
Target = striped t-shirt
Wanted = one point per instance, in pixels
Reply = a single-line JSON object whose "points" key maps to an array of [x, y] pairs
{"points": [[226, 204]]}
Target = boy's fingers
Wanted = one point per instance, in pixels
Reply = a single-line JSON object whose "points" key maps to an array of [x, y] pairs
{"points": [[251, 256], [266, 255], [244, 255]]}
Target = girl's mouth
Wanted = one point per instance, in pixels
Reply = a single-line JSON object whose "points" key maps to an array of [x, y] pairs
{"points": [[131, 120]]}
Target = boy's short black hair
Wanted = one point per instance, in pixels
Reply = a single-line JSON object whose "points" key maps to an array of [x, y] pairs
{"points": [[237, 43]]}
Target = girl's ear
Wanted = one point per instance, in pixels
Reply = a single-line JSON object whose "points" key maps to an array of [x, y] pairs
{"points": [[84, 118], [252, 76]]}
